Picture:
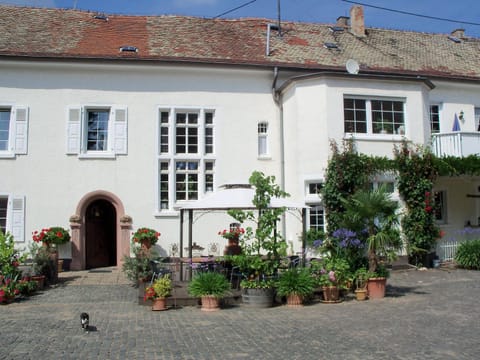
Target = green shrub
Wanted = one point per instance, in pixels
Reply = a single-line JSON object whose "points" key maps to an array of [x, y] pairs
{"points": [[209, 284], [468, 255]]}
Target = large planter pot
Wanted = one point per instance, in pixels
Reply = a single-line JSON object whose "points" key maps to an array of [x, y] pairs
{"points": [[40, 280], [361, 294], [258, 298], [210, 303], [376, 288], [331, 294], [294, 300], [159, 304]]}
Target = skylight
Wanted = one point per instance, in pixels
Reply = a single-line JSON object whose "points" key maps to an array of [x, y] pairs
{"points": [[128, 49], [101, 17], [336, 29], [330, 45], [455, 39]]}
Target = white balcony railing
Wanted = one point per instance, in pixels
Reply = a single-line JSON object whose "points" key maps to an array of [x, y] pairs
{"points": [[456, 144]]}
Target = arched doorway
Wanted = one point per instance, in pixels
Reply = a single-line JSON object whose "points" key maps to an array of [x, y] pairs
{"points": [[100, 234]]}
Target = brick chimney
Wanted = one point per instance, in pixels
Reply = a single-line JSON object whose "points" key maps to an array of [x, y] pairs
{"points": [[458, 33], [357, 21], [342, 21]]}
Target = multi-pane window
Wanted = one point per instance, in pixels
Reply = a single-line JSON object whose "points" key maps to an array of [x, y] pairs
{"points": [[13, 130], [316, 217], [314, 188], [97, 129], [374, 116], [388, 186], [209, 171], [186, 144], [186, 180], [164, 126], [3, 213], [434, 119], [164, 193], [186, 131], [262, 139], [208, 132], [4, 128]]}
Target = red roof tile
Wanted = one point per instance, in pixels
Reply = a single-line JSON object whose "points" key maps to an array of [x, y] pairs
{"points": [[55, 33]]}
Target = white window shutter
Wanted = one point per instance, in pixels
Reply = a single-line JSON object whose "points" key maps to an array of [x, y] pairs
{"points": [[16, 224], [120, 126], [21, 130], [74, 130]]}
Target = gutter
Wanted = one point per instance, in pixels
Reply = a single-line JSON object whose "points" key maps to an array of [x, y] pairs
{"points": [[278, 99]]}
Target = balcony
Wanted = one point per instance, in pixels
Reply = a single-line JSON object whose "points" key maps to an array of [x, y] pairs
{"points": [[460, 144]]}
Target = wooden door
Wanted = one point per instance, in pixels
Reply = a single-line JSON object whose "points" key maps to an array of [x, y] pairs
{"points": [[100, 235]]}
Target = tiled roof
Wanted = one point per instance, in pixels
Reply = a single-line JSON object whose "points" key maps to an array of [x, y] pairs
{"points": [[56, 33]]}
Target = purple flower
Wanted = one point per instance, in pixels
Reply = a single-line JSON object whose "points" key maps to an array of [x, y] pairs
{"points": [[331, 275], [318, 243], [323, 271]]}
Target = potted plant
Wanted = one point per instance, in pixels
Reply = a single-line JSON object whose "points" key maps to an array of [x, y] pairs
{"points": [[52, 237], [296, 284], [377, 213], [146, 237], [138, 267], [361, 282], [263, 248], [158, 292], [210, 286], [332, 275], [44, 267]]}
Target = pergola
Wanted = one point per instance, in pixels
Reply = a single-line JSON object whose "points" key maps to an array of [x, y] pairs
{"points": [[232, 196]]}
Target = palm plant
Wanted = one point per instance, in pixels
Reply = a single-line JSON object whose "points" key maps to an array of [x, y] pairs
{"points": [[376, 213]]}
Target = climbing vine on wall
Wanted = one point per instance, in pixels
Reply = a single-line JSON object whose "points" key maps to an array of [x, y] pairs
{"points": [[417, 171]]}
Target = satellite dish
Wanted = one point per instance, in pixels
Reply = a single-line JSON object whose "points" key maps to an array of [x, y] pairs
{"points": [[352, 66]]}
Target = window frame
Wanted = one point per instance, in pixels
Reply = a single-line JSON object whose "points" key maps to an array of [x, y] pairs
{"points": [[77, 131], [15, 216], [17, 142], [263, 139], [398, 131], [438, 115], [166, 150], [440, 207]]}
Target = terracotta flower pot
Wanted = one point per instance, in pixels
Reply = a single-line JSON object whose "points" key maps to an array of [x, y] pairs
{"points": [[330, 293], [376, 288], [159, 304], [294, 300], [361, 294], [210, 303]]}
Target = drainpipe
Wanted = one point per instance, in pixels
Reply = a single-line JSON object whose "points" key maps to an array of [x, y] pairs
{"points": [[277, 98]]}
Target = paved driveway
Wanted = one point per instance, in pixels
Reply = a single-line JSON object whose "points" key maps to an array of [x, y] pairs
{"points": [[427, 315]]}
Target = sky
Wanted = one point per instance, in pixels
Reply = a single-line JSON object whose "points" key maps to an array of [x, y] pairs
{"points": [[464, 13]]}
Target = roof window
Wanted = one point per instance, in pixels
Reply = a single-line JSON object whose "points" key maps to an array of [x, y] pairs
{"points": [[454, 39], [330, 45], [336, 29], [129, 49], [101, 17]]}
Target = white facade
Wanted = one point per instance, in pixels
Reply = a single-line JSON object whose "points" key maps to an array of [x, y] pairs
{"points": [[54, 175]]}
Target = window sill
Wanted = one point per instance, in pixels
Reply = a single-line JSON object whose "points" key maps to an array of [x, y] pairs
{"points": [[105, 155], [166, 214], [375, 137], [7, 155]]}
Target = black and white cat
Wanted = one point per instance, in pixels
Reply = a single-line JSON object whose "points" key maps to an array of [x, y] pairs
{"points": [[84, 320]]}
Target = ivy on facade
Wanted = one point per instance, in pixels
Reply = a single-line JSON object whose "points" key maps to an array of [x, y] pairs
{"points": [[416, 169]]}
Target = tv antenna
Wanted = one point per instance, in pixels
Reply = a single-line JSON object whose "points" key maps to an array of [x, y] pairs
{"points": [[352, 66]]}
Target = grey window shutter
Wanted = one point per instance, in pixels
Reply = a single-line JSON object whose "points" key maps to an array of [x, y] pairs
{"points": [[17, 219], [74, 130], [21, 130], [120, 126]]}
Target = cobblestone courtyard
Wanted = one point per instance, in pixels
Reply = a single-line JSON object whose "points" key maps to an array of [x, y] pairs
{"points": [[426, 315]]}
